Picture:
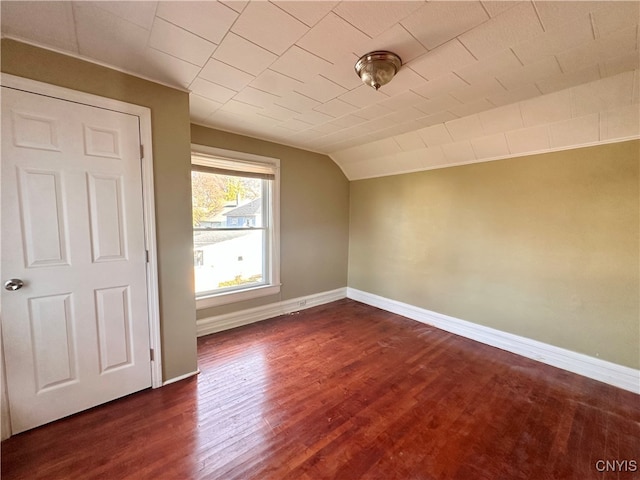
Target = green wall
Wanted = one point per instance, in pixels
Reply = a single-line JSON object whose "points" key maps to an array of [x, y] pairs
{"points": [[314, 218], [172, 177], [543, 246]]}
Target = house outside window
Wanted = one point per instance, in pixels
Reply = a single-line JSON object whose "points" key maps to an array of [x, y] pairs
{"points": [[235, 199]]}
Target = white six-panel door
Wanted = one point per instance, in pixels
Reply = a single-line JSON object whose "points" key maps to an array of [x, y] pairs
{"points": [[76, 334]]}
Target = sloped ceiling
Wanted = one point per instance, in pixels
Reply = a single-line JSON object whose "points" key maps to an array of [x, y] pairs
{"points": [[481, 79]]}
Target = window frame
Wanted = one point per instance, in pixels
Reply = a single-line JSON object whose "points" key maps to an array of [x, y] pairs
{"points": [[272, 250]]}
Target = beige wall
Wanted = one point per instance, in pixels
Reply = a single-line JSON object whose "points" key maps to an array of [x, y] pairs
{"points": [[314, 218], [171, 146], [544, 246]]}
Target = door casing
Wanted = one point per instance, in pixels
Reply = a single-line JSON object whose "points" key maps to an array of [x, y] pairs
{"points": [[144, 114]]}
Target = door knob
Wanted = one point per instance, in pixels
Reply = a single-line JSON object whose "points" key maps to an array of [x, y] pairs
{"points": [[13, 284]]}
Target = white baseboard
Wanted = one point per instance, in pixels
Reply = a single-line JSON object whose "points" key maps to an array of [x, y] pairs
{"points": [[180, 377], [209, 325], [595, 368]]}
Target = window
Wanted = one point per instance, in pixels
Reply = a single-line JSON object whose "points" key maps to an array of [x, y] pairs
{"points": [[235, 203]]}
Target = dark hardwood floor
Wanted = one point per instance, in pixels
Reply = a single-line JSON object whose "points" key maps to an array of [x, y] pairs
{"points": [[346, 391]]}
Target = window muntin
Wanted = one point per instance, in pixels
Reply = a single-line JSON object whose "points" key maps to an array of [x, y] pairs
{"points": [[235, 212]]}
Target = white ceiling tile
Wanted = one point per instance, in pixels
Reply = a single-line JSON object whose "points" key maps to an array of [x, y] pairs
{"points": [[501, 119], [532, 72], [296, 125], [406, 117], [516, 95], [211, 91], [175, 41], [237, 5], [337, 108], [598, 50], [431, 120], [409, 141], [439, 104], [404, 80], [307, 12], [326, 128], [398, 41], [491, 146], [256, 97], [439, 86], [459, 152], [379, 148], [623, 63], [200, 108], [402, 101], [557, 14], [296, 102], [404, 162], [546, 109], [332, 37], [528, 140], [438, 22], [363, 96], [376, 124], [552, 42], [477, 91], [244, 55], [256, 24], [503, 31], [300, 64], [620, 123], [373, 18], [314, 117], [321, 89], [575, 132], [373, 111], [496, 7], [126, 44], [347, 120], [50, 23], [433, 157], [444, 59], [602, 95], [225, 75], [278, 113], [343, 72], [489, 67], [166, 68], [209, 20], [465, 128], [566, 80], [470, 108], [276, 83], [239, 108], [614, 18], [140, 13]]}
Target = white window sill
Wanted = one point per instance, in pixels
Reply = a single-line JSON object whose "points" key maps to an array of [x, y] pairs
{"points": [[238, 296]]}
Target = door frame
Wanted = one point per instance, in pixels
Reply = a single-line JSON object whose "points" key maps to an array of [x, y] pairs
{"points": [[148, 200]]}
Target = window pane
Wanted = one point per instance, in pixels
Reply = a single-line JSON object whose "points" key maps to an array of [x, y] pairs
{"points": [[229, 235], [226, 201], [228, 260]]}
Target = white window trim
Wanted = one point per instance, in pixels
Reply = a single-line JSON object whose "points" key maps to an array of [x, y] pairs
{"points": [[273, 288]]}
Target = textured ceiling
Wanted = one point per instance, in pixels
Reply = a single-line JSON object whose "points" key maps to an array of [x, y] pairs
{"points": [[283, 70]]}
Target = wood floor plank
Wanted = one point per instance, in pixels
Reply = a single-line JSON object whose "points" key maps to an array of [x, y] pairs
{"points": [[344, 391]]}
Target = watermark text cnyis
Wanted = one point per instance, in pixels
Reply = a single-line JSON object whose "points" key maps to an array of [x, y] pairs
{"points": [[616, 465]]}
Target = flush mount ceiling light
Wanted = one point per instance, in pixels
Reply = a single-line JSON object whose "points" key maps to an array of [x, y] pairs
{"points": [[378, 68]]}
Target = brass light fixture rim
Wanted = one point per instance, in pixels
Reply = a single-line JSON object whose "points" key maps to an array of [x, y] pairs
{"points": [[378, 55]]}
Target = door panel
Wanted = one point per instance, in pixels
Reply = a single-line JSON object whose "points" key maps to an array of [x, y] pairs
{"points": [[77, 333]]}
